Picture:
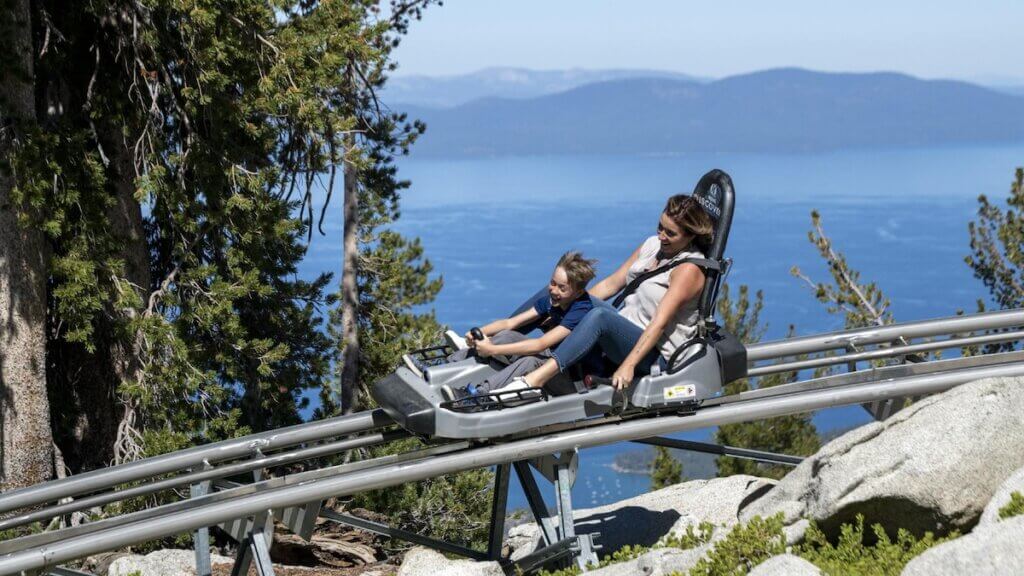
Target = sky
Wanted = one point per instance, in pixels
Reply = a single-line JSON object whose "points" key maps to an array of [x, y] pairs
{"points": [[979, 41]]}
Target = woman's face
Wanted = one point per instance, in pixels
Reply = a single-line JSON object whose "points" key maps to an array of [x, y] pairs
{"points": [[673, 238]]}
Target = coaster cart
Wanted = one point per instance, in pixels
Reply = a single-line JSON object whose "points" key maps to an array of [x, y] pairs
{"points": [[696, 371]]}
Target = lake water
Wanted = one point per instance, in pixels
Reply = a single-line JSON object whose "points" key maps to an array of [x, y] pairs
{"points": [[494, 228]]}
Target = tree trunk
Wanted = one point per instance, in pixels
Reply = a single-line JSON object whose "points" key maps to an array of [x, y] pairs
{"points": [[350, 288], [95, 427], [27, 445]]}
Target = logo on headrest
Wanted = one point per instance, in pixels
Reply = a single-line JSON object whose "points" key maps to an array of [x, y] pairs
{"points": [[711, 201]]}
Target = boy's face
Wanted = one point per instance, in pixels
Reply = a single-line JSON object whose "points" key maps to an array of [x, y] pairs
{"points": [[560, 290]]}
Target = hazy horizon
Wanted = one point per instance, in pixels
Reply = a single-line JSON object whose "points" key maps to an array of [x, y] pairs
{"points": [[928, 40]]}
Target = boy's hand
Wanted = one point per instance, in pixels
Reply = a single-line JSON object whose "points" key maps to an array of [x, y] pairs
{"points": [[485, 347], [470, 341]]}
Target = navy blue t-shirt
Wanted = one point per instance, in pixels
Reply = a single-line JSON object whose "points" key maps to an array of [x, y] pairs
{"points": [[592, 362], [558, 317]]}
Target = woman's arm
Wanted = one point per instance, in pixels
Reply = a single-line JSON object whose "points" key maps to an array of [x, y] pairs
{"points": [[685, 282], [611, 285]]}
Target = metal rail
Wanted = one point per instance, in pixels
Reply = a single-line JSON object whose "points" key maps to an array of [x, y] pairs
{"points": [[203, 475], [422, 468], [885, 334], [254, 446], [198, 456], [902, 350]]}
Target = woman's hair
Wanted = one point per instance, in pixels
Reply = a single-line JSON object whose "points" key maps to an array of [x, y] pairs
{"points": [[578, 269], [687, 213]]}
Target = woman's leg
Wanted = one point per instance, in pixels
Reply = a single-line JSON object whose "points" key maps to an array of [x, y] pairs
{"points": [[602, 327]]}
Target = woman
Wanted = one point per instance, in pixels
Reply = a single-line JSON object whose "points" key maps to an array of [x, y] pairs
{"points": [[656, 318]]}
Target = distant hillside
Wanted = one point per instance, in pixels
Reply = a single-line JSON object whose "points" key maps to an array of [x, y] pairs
{"points": [[786, 110], [448, 91], [1015, 90]]}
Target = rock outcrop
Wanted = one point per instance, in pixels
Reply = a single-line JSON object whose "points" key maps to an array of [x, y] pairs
{"points": [[785, 565], [1015, 483], [161, 563], [992, 550], [427, 562], [931, 467], [647, 518]]}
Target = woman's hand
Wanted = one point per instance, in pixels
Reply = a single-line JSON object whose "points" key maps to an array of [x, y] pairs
{"points": [[623, 377], [485, 347]]}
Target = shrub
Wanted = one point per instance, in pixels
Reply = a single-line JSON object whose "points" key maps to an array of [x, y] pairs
{"points": [[746, 546], [1014, 507], [851, 556]]}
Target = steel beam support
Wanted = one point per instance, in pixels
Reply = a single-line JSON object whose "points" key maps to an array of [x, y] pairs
{"points": [[708, 448], [536, 501], [254, 548], [300, 488], [582, 549], [201, 538], [498, 506], [385, 530]]}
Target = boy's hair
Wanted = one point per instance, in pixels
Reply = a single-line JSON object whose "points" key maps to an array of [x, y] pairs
{"points": [[579, 270]]}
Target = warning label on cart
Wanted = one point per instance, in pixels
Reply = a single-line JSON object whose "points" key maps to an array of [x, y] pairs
{"points": [[681, 391]]}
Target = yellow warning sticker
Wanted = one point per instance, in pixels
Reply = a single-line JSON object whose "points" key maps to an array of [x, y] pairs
{"points": [[680, 391]]}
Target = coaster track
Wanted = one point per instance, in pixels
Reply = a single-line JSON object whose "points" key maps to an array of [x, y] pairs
{"points": [[882, 389]]}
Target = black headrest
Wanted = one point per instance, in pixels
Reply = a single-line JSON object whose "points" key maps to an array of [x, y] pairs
{"points": [[714, 192]]}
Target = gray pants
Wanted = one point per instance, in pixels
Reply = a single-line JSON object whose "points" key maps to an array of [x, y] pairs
{"points": [[517, 366]]}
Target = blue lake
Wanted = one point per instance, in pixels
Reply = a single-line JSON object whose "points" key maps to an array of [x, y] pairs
{"points": [[494, 228]]}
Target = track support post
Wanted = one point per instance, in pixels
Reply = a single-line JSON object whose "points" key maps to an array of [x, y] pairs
{"points": [[201, 538], [559, 541]]}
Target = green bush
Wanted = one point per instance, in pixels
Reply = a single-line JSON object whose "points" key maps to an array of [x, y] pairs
{"points": [[1014, 507], [750, 544], [851, 556], [691, 539], [454, 507], [746, 546]]}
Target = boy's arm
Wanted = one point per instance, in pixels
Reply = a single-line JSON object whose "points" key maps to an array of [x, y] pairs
{"points": [[526, 347], [528, 315]]}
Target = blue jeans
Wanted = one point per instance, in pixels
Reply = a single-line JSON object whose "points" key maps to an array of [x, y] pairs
{"points": [[602, 329], [605, 328]]}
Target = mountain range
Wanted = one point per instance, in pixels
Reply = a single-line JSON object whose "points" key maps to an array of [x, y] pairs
{"points": [[783, 110], [504, 82]]}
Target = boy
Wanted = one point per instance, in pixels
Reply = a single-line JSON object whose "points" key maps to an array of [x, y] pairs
{"points": [[557, 313]]}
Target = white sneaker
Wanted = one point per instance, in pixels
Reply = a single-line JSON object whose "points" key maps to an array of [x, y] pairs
{"points": [[454, 340], [517, 383], [413, 365]]}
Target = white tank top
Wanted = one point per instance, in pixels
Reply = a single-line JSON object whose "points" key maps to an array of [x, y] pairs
{"points": [[640, 306]]}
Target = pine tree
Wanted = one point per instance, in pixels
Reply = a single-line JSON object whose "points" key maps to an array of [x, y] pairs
{"points": [[665, 470], [862, 304], [185, 322], [996, 239], [794, 435], [26, 453]]}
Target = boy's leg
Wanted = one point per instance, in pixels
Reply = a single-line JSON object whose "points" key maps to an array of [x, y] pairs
{"points": [[520, 367]]}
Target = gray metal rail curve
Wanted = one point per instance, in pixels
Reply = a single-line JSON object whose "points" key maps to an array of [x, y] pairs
{"points": [[381, 477]]}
